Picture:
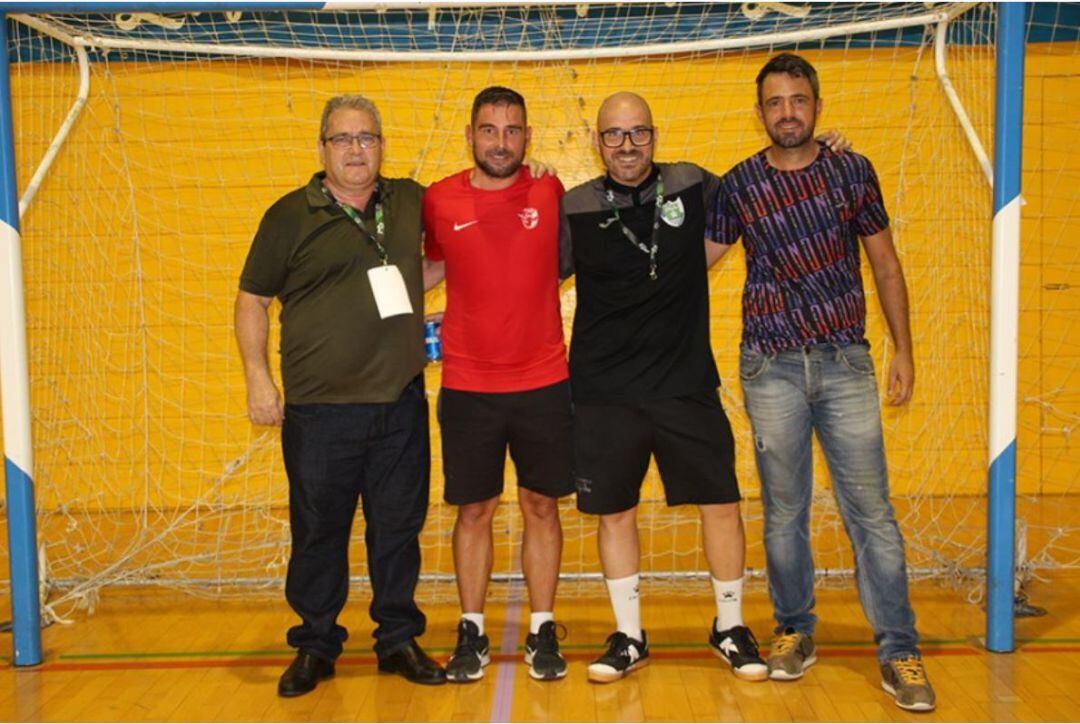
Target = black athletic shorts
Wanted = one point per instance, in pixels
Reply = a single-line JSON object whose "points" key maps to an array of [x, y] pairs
{"points": [[690, 437], [477, 427]]}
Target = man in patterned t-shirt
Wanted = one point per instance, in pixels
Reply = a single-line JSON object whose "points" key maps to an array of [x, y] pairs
{"points": [[805, 365]]}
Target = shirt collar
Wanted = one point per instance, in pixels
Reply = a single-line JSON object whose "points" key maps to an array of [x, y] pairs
{"points": [[317, 199], [642, 192]]}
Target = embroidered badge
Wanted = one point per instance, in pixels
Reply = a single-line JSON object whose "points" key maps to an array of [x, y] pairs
{"points": [[673, 213]]}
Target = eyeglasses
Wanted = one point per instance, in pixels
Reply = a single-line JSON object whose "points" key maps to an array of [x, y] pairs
{"points": [[614, 137], [344, 141]]}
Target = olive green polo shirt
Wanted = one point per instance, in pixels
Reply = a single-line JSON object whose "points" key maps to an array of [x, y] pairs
{"points": [[309, 254]]}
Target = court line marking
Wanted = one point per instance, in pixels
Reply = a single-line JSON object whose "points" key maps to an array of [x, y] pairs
{"points": [[504, 659], [503, 698], [659, 646]]}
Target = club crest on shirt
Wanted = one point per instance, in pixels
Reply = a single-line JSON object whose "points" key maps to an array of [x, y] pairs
{"points": [[530, 217], [673, 213]]}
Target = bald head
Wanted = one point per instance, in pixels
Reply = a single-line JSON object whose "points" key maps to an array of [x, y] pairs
{"points": [[625, 137], [618, 105]]}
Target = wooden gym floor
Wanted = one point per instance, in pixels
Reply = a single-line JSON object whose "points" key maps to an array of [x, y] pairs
{"points": [[157, 656]]}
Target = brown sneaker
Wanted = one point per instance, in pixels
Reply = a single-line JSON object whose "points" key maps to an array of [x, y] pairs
{"points": [[791, 655], [906, 680]]}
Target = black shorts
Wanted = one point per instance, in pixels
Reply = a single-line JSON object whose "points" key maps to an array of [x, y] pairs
{"points": [[690, 437], [477, 427]]}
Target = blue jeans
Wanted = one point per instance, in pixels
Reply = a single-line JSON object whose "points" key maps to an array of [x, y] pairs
{"points": [[831, 389]]}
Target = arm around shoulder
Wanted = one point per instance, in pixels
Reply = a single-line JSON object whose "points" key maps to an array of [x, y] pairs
{"points": [[714, 252], [434, 273]]}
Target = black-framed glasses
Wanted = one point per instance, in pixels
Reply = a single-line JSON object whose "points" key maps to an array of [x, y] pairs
{"points": [[344, 141], [614, 137]]}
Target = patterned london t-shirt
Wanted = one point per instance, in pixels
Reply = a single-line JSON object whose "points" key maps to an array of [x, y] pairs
{"points": [[801, 231]]}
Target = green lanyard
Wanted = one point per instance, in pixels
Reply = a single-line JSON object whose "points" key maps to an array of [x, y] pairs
{"points": [[632, 237], [380, 228]]}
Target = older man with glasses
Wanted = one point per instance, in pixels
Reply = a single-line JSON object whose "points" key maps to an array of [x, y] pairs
{"points": [[343, 255]]}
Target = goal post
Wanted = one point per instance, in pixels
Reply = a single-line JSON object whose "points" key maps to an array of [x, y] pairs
{"points": [[1004, 321], [15, 393], [156, 134]]}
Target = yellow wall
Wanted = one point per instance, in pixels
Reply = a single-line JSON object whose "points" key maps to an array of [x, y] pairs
{"points": [[135, 243]]}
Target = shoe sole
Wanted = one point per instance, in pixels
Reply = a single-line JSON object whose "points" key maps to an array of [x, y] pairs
{"points": [[485, 659], [542, 677], [605, 678], [906, 707], [763, 676], [402, 674], [292, 694], [781, 675]]}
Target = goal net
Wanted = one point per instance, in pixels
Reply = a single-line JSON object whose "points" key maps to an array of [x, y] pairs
{"points": [[190, 125]]}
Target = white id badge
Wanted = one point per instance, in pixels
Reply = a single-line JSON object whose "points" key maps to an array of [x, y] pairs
{"points": [[391, 296]]}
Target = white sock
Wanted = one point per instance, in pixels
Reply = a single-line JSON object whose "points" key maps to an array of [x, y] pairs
{"points": [[538, 619], [477, 618], [624, 601], [728, 603]]}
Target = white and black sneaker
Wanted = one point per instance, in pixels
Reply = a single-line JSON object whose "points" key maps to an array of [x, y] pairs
{"points": [[738, 647], [542, 652], [624, 654], [470, 655]]}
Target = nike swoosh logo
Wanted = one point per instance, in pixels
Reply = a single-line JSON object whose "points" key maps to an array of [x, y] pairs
{"points": [[459, 227]]}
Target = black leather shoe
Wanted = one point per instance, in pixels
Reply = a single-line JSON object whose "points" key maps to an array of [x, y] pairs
{"points": [[303, 674], [412, 663]]}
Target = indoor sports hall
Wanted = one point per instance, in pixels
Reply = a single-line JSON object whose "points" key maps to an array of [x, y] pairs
{"points": [[147, 519]]}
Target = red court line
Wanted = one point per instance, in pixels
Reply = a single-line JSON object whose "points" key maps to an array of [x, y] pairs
{"points": [[348, 661]]}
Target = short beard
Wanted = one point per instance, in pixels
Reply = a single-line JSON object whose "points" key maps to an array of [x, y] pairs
{"points": [[793, 141], [496, 172], [644, 168]]}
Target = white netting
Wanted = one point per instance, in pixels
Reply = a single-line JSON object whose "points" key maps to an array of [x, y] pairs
{"points": [[146, 467]]}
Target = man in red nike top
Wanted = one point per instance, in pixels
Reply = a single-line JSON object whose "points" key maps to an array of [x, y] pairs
{"points": [[493, 232]]}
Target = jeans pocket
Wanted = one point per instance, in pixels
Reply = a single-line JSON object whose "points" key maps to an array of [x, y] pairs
{"points": [[856, 357], [752, 364]]}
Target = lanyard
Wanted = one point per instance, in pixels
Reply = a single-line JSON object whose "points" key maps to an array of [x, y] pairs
{"points": [[380, 228], [632, 237]]}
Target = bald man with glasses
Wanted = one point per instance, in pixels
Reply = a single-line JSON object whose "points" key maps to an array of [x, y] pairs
{"points": [[643, 376]]}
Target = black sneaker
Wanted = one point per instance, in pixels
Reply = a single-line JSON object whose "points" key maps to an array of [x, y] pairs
{"points": [[470, 656], [738, 647], [624, 654], [542, 652]]}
